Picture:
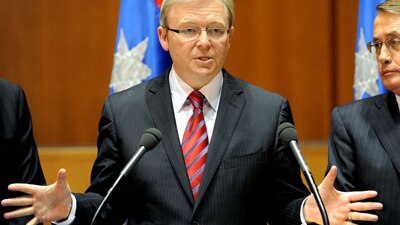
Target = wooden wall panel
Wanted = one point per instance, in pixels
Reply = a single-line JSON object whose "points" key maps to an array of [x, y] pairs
{"points": [[61, 52], [285, 46], [345, 42]]}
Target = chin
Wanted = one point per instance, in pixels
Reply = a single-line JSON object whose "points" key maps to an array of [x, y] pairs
{"points": [[205, 72], [392, 85]]}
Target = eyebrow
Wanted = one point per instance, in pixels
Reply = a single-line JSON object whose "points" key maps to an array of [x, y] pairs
{"points": [[213, 24], [390, 34]]}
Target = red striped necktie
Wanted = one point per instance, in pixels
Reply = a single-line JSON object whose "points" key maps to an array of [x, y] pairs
{"points": [[195, 142]]}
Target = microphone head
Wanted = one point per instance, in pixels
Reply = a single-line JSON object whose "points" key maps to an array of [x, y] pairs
{"points": [[287, 133], [150, 138]]}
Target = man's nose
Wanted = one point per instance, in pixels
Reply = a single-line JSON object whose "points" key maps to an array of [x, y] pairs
{"points": [[384, 54], [204, 39]]}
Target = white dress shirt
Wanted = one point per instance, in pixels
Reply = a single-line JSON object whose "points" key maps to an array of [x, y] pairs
{"points": [[182, 107]]}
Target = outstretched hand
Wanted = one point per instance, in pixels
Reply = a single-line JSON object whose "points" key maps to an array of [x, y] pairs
{"points": [[45, 203], [342, 207]]}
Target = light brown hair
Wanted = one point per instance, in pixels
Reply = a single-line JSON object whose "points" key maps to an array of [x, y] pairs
{"points": [[392, 6], [166, 6]]}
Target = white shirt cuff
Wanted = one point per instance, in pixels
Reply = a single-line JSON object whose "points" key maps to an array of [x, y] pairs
{"points": [[303, 220], [71, 215]]}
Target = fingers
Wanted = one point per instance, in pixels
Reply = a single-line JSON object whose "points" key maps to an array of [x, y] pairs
{"points": [[33, 221], [62, 175], [18, 201], [358, 216], [330, 178], [25, 188], [365, 206], [62, 178], [357, 213], [358, 208], [19, 213], [356, 196]]}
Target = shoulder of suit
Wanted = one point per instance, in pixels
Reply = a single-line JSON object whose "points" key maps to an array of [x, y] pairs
{"points": [[248, 87], [362, 104], [6, 87]]}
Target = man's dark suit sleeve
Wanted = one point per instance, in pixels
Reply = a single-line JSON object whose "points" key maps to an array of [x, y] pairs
{"points": [[18, 151], [341, 152], [107, 167], [31, 171], [289, 190]]}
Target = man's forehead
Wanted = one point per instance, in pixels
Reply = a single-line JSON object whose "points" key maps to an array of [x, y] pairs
{"points": [[387, 18], [386, 24], [186, 13]]}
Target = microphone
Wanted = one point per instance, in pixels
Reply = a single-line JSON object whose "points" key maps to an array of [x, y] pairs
{"points": [[288, 135], [148, 141]]}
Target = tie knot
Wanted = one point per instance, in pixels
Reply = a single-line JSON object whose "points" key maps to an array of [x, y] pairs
{"points": [[196, 99]]}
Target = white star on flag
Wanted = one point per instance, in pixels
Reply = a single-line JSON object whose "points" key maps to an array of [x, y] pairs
{"points": [[366, 74], [129, 69]]}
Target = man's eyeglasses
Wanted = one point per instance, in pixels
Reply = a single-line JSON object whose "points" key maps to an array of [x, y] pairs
{"points": [[192, 33], [393, 45]]}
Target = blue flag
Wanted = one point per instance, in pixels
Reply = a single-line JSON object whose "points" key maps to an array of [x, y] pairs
{"points": [[366, 78], [138, 54]]}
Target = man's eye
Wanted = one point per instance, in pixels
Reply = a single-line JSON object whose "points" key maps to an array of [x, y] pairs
{"points": [[394, 42], [189, 30], [378, 44], [215, 30]]}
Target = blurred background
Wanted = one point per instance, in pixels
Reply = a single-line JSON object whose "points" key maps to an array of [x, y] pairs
{"points": [[61, 53]]}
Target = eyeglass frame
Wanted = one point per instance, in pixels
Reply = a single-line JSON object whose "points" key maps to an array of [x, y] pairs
{"points": [[180, 32], [389, 45]]}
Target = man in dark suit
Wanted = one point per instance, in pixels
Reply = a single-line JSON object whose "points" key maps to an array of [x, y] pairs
{"points": [[19, 160], [225, 166], [365, 137]]}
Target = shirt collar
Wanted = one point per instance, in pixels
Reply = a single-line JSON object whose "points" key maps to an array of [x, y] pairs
{"points": [[180, 90], [398, 101]]}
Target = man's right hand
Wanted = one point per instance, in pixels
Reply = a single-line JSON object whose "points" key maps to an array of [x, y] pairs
{"points": [[45, 203]]}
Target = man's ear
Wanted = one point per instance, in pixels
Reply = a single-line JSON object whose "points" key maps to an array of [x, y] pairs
{"points": [[231, 31], [163, 38]]}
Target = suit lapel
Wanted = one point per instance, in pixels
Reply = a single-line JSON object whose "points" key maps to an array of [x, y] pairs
{"points": [[385, 120], [161, 109], [229, 111]]}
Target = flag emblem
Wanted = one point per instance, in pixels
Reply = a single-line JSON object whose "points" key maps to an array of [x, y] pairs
{"points": [[138, 54]]}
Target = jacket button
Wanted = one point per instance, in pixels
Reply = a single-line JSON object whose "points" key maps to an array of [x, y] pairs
{"points": [[195, 223]]}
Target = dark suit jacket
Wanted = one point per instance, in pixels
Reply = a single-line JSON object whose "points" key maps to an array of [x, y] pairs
{"points": [[19, 161], [365, 146], [249, 176]]}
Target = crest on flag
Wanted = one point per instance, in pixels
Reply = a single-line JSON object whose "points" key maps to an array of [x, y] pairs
{"points": [[129, 69], [367, 81], [138, 54], [366, 72]]}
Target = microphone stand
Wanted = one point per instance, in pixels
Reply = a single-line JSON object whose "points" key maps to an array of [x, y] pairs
{"points": [[132, 162], [310, 180]]}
